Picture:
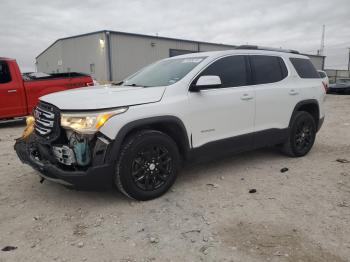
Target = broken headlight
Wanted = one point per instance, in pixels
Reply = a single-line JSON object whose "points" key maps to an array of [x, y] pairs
{"points": [[88, 123]]}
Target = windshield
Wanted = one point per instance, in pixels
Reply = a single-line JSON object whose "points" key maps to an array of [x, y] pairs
{"points": [[164, 72], [343, 81]]}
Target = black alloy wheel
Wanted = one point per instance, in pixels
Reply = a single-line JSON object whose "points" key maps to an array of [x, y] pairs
{"points": [[152, 167], [302, 135], [147, 165]]}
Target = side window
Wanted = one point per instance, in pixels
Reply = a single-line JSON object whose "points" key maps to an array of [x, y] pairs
{"points": [[231, 70], [322, 75], [268, 69], [304, 68], [5, 75]]}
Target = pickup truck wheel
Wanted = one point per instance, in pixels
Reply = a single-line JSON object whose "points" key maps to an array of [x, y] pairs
{"points": [[147, 165], [302, 135]]}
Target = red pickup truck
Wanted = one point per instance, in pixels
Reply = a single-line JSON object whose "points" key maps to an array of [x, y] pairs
{"points": [[19, 94]]}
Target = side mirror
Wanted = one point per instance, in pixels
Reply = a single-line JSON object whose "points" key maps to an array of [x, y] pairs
{"points": [[206, 82]]}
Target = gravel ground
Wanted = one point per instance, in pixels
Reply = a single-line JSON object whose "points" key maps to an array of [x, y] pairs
{"points": [[209, 215]]}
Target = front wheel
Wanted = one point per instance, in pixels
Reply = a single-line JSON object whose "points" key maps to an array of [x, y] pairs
{"points": [[147, 165], [302, 135]]}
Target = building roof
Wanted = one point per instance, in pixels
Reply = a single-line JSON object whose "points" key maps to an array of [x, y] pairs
{"points": [[150, 36], [314, 55], [243, 51], [133, 34]]}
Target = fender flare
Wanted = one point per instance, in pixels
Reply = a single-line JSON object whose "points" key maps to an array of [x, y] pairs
{"points": [[302, 103], [127, 128]]}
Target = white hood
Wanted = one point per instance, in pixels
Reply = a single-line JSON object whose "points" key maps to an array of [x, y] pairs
{"points": [[103, 97]]}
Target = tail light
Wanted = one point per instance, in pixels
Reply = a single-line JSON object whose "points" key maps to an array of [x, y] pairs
{"points": [[325, 86]]}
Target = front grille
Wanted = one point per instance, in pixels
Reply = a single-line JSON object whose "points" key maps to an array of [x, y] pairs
{"points": [[46, 121]]}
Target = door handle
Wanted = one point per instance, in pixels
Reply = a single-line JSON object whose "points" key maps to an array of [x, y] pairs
{"points": [[246, 97], [293, 92], [12, 91]]}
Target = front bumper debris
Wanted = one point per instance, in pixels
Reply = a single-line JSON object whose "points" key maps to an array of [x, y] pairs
{"points": [[100, 175]]}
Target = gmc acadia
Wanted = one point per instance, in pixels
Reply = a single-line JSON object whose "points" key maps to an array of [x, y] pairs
{"points": [[137, 135]]}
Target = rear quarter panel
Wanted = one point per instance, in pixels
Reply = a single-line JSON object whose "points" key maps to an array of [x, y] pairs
{"points": [[313, 89], [310, 88]]}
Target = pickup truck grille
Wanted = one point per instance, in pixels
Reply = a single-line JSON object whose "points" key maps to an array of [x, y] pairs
{"points": [[46, 121]]}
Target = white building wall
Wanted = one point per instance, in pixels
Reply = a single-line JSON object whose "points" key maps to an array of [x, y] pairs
{"points": [[334, 74], [49, 61], [203, 47], [83, 54], [86, 54], [131, 53]]}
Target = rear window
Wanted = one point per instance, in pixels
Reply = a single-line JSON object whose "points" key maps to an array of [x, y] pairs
{"points": [[268, 69], [5, 75], [304, 68], [322, 74]]}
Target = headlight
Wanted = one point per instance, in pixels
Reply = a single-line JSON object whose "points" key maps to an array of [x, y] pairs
{"points": [[88, 123]]}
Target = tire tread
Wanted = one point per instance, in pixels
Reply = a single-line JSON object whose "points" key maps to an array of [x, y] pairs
{"points": [[287, 147], [130, 140]]}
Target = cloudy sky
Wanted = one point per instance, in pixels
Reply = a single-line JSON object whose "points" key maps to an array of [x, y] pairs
{"points": [[28, 27]]}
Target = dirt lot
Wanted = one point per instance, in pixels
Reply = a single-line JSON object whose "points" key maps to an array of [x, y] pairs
{"points": [[209, 215]]}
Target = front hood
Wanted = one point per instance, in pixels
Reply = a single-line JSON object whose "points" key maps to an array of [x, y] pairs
{"points": [[103, 97]]}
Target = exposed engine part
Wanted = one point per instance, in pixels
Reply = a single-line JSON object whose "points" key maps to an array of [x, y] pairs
{"points": [[77, 152], [70, 134], [64, 154], [81, 148]]}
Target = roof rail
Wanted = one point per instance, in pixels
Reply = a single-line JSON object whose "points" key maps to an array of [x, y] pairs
{"points": [[255, 47]]}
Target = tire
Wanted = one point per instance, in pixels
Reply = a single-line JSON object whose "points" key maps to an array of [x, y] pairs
{"points": [[302, 135], [147, 165]]}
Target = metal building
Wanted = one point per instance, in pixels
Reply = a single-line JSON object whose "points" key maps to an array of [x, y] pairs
{"points": [[335, 74], [112, 56], [317, 60]]}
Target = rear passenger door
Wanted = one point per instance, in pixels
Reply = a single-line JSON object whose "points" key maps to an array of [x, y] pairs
{"points": [[276, 97], [227, 111]]}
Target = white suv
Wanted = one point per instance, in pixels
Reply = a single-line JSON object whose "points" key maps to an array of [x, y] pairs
{"points": [[137, 135]]}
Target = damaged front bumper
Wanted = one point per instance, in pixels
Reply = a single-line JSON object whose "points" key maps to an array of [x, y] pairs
{"points": [[98, 174]]}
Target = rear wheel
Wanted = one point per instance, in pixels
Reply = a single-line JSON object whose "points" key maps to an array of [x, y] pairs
{"points": [[302, 135], [147, 165]]}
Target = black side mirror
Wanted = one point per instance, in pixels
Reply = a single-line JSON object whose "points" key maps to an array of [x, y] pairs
{"points": [[194, 88]]}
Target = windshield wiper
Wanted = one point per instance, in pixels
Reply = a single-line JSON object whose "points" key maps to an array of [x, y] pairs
{"points": [[136, 85], [117, 83]]}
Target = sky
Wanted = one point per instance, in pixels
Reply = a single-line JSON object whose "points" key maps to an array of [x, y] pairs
{"points": [[28, 27]]}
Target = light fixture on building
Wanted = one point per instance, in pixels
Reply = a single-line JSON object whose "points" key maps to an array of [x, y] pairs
{"points": [[102, 43]]}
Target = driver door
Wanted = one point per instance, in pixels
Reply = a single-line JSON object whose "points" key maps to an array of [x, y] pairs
{"points": [[226, 113]]}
